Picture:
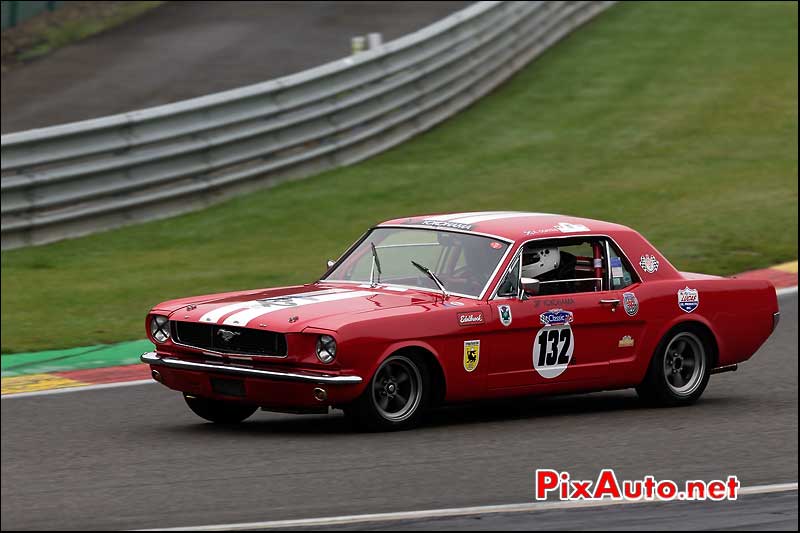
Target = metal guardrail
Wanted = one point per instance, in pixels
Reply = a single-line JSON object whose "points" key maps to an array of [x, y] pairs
{"points": [[75, 179]]}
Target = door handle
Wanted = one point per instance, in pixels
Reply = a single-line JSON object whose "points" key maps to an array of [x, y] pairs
{"points": [[612, 302]]}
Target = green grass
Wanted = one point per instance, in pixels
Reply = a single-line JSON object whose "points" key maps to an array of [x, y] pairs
{"points": [[70, 31], [679, 120]]}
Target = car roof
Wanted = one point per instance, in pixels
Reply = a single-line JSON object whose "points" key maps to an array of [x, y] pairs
{"points": [[511, 225]]}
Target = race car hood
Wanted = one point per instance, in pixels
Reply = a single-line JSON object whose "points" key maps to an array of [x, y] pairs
{"points": [[291, 309]]}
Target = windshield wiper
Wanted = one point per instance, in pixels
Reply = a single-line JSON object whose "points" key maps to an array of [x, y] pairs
{"points": [[427, 271], [376, 265]]}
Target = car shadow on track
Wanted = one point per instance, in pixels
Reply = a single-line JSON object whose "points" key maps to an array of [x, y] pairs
{"points": [[488, 411]]}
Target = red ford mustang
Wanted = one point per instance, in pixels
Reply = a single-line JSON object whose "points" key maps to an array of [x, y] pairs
{"points": [[446, 308]]}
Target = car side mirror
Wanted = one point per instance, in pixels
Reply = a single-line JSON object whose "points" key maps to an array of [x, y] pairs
{"points": [[330, 263], [530, 286]]}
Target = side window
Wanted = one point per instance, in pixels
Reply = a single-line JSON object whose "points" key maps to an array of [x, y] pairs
{"points": [[565, 266], [509, 287], [621, 273]]}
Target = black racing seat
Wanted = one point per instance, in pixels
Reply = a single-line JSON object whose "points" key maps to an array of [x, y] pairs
{"points": [[566, 270]]}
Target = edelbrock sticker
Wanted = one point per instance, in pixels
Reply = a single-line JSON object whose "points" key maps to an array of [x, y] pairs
{"points": [[649, 263], [472, 354], [470, 319], [505, 314], [630, 303], [688, 299]]}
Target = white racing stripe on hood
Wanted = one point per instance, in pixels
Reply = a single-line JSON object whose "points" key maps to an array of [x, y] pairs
{"points": [[291, 302], [219, 312]]}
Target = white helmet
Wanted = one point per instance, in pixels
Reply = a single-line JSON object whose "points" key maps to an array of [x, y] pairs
{"points": [[539, 261]]}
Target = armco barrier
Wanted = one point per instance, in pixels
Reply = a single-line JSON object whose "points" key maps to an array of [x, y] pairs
{"points": [[79, 178]]}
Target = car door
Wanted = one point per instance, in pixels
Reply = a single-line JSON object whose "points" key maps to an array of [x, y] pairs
{"points": [[560, 337]]}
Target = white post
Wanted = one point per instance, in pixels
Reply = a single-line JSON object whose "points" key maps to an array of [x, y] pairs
{"points": [[374, 40]]}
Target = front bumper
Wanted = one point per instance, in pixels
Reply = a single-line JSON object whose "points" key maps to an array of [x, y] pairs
{"points": [[152, 358], [266, 388]]}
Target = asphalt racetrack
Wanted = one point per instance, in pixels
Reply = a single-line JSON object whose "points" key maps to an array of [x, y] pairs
{"points": [[186, 49], [136, 457]]}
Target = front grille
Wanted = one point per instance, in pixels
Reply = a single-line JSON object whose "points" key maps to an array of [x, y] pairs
{"points": [[239, 340]]}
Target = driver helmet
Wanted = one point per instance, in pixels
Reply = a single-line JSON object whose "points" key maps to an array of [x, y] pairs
{"points": [[539, 261]]}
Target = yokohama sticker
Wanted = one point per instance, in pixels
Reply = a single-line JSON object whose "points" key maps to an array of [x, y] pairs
{"points": [[630, 303], [649, 263], [470, 319], [688, 299]]}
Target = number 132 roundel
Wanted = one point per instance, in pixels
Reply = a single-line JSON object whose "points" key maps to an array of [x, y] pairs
{"points": [[554, 344]]}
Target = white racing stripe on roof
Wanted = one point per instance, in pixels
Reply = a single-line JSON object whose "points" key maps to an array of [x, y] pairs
{"points": [[293, 301], [215, 314], [453, 216], [497, 216]]}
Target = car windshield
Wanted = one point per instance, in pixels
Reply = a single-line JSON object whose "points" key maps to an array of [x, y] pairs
{"points": [[464, 263]]}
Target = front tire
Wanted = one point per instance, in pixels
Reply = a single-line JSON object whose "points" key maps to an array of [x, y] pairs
{"points": [[396, 396], [219, 411], [679, 370]]}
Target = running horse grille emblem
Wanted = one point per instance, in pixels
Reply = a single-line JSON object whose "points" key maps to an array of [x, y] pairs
{"points": [[227, 335]]}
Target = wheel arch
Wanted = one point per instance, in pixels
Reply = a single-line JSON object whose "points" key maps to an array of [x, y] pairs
{"points": [[701, 328], [427, 355]]}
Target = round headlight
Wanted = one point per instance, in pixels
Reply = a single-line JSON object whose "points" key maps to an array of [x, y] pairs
{"points": [[159, 328], [326, 348]]}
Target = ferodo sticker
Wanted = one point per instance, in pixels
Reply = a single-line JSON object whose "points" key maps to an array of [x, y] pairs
{"points": [[472, 354], [554, 343], [470, 319]]}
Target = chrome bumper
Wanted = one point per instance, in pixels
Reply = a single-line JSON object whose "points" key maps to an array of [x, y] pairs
{"points": [[152, 358]]}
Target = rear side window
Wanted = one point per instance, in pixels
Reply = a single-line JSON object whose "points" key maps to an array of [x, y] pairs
{"points": [[621, 273]]}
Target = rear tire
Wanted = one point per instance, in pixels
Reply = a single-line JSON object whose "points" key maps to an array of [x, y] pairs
{"points": [[219, 411], [680, 368], [395, 398]]}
